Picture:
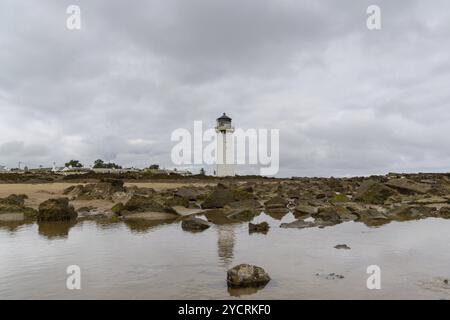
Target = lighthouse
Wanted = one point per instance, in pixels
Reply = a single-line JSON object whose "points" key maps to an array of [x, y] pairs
{"points": [[225, 147]]}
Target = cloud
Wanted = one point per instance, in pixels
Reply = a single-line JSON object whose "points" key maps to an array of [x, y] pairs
{"points": [[347, 101]]}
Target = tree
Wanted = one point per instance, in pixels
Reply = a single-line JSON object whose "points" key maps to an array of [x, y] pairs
{"points": [[100, 164], [154, 167], [73, 164], [202, 172]]}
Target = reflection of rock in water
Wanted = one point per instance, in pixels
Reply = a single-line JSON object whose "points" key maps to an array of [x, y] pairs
{"points": [[225, 243], [13, 226], [143, 225], [277, 214], [55, 230], [237, 292]]}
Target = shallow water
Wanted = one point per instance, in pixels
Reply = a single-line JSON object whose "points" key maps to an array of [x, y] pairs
{"points": [[161, 261]]}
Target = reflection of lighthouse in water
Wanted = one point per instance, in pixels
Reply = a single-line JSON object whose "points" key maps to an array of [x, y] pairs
{"points": [[225, 243]]}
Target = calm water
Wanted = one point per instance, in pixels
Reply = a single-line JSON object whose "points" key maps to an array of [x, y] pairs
{"points": [[162, 261]]}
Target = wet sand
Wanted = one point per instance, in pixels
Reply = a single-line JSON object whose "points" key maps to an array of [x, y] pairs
{"points": [[37, 193]]}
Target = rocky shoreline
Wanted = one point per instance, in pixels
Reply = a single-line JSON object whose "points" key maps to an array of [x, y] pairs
{"points": [[315, 202]]}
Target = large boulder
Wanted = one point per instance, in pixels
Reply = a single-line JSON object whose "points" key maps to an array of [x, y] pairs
{"points": [[56, 210], [408, 186], [104, 190], [16, 204], [304, 209], [223, 195], [276, 203], [139, 203], [189, 194], [246, 275], [194, 224], [373, 192], [335, 214]]}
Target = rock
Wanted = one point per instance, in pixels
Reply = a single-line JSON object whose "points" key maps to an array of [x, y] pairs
{"points": [[342, 246], [330, 276], [303, 209], [14, 200], [250, 204], [223, 195], [245, 275], [373, 192], [276, 203], [56, 210], [408, 186], [118, 208], [104, 190], [187, 193], [194, 224], [141, 204], [335, 214], [404, 213], [444, 212], [218, 216], [373, 218], [299, 224], [262, 227], [15, 204], [302, 224], [242, 214]]}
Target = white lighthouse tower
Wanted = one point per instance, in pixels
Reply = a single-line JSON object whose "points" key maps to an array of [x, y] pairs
{"points": [[225, 147]]}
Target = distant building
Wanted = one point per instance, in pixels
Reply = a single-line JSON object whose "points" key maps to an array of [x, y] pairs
{"points": [[112, 170]]}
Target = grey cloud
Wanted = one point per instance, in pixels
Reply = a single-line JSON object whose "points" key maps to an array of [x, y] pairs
{"points": [[346, 100]]}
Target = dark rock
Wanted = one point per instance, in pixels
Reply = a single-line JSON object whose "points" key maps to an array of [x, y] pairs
{"points": [[187, 193], [56, 210], [223, 195], [142, 204], [242, 214], [335, 214], [245, 275], [194, 224], [276, 203], [304, 209], [408, 186], [373, 192], [118, 208], [262, 227], [299, 224], [342, 246], [16, 204], [330, 276], [104, 189]]}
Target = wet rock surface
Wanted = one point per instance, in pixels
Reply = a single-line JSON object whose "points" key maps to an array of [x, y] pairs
{"points": [[246, 275], [56, 210], [330, 276], [342, 246], [194, 224], [12, 208]]}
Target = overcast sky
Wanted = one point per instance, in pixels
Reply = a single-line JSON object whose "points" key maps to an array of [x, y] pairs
{"points": [[347, 100]]}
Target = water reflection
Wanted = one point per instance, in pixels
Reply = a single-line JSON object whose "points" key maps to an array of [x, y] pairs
{"points": [[55, 230], [238, 292], [13, 226], [225, 243], [277, 214], [144, 225]]}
